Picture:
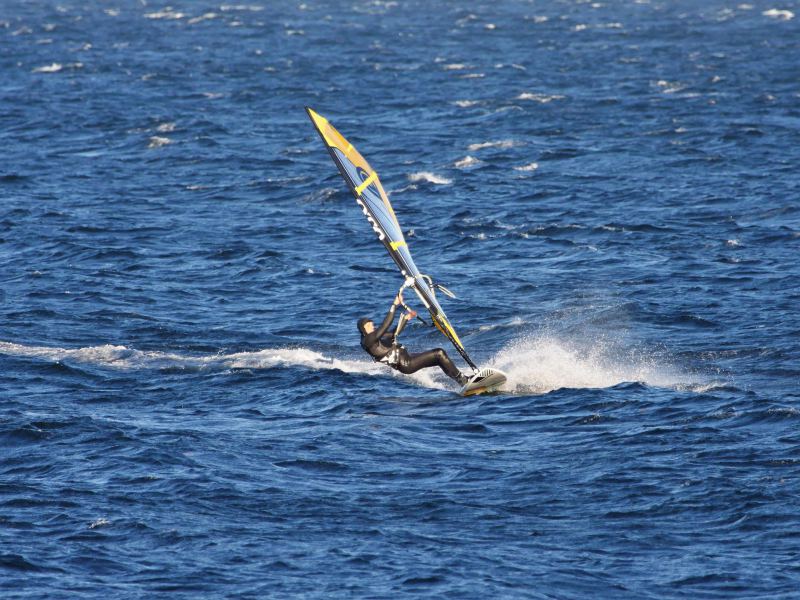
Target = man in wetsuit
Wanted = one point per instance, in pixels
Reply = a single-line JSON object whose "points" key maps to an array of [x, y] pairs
{"points": [[383, 347]]}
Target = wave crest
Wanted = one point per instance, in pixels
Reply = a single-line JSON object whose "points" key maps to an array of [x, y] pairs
{"points": [[430, 178]]}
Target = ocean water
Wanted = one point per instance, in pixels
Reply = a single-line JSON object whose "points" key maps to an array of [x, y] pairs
{"points": [[612, 190]]}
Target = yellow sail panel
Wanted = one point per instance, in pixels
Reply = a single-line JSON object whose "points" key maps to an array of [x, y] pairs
{"points": [[334, 139]]}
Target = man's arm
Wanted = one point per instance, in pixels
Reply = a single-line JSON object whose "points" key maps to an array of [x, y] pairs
{"points": [[391, 337], [379, 333]]}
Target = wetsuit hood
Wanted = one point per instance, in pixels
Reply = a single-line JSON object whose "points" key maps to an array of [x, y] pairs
{"points": [[361, 324]]}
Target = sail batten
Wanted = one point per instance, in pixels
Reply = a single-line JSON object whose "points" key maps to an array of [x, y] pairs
{"points": [[368, 191]]}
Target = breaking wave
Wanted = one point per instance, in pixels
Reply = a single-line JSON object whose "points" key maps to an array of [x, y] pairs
{"points": [[429, 177], [781, 15], [497, 144], [540, 98], [466, 162]]}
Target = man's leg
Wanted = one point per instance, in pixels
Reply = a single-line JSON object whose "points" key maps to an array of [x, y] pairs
{"points": [[411, 363]]}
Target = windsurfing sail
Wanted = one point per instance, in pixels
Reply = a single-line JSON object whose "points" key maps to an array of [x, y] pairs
{"points": [[371, 197]]}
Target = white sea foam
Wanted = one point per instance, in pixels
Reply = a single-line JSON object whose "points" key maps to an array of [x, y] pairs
{"points": [[529, 167], [464, 20], [51, 68], [466, 103], [240, 8], [497, 144], [204, 17], [545, 362], [157, 141], [429, 177], [781, 15], [167, 13], [670, 87], [466, 162], [99, 523], [123, 358], [540, 98], [455, 67], [515, 322]]}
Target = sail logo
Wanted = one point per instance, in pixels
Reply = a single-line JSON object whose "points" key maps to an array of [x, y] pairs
{"points": [[366, 182], [375, 227]]}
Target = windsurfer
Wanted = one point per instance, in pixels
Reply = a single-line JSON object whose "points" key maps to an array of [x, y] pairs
{"points": [[384, 347]]}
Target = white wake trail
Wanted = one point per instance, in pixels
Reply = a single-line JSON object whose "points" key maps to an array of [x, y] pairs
{"points": [[123, 358], [537, 363]]}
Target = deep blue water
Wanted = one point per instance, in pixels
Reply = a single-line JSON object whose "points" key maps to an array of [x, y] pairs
{"points": [[611, 188]]}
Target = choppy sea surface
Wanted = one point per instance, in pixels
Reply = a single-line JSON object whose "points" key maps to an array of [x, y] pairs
{"points": [[610, 187]]}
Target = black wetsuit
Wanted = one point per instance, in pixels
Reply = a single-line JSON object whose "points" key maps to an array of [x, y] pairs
{"points": [[381, 346]]}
